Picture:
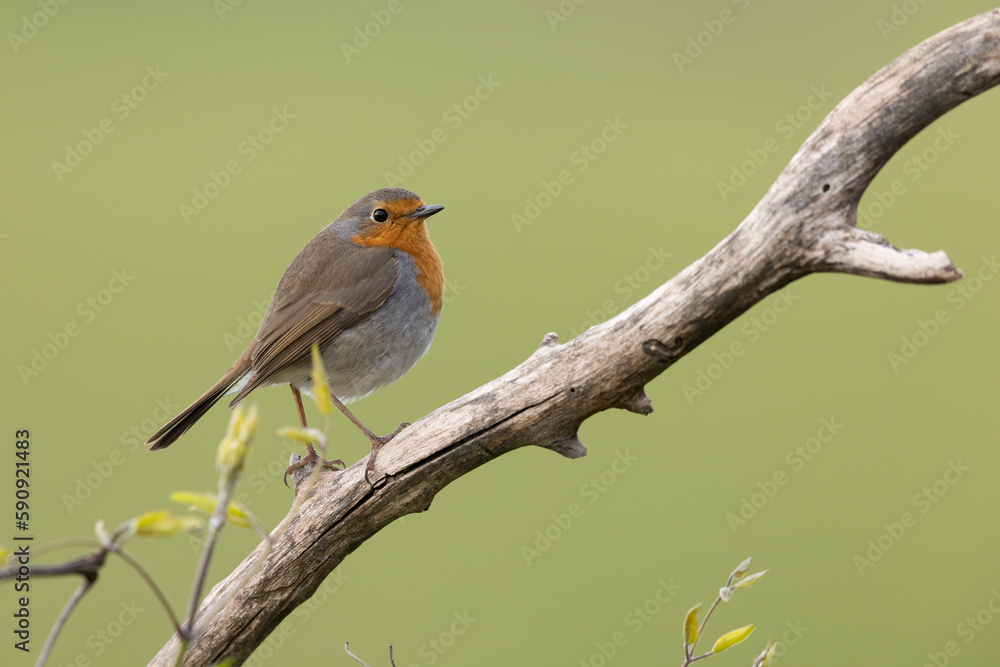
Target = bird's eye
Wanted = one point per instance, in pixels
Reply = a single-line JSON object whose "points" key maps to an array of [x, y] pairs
{"points": [[380, 215]]}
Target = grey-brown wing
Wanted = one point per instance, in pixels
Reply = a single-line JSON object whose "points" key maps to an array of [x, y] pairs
{"points": [[330, 286]]}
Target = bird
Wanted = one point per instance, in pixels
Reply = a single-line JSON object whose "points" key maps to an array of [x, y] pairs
{"points": [[367, 289]]}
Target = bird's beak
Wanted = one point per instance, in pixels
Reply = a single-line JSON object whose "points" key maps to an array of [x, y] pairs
{"points": [[425, 212]]}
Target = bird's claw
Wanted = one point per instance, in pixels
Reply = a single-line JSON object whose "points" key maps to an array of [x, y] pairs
{"points": [[336, 465]]}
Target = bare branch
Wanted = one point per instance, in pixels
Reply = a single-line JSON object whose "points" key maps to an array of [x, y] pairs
{"points": [[867, 254], [806, 223], [88, 567]]}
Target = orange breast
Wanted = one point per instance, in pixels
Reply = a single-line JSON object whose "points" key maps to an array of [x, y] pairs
{"points": [[414, 240]]}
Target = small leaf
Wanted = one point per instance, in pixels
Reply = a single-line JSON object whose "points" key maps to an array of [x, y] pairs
{"points": [[206, 502], [742, 568], [237, 515], [232, 453], [161, 524], [309, 436], [749, 581], [321, 385], [764, 659], [771, 648], [249, 426], [732, 638], [149, 518], [725, 593], [691, 625]]}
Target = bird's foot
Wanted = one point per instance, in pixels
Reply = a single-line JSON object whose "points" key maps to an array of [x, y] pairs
{"points": [[336, 465], [380, 440], [377, 442]]}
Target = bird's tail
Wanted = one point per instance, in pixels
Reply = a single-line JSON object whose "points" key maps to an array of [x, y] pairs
{"points": [[176, 427]]}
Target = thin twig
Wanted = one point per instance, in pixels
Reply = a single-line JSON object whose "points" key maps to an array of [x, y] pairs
{"points": [[88, 566], [347, 648], [392, 660], [148, 578], [689, 656], [67, 543], [215, 525], [704, 621], [268, 542], [50, 641], [698, 657]]}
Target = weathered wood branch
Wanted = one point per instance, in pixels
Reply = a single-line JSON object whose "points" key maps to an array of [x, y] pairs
{"points": [[806, 223]]}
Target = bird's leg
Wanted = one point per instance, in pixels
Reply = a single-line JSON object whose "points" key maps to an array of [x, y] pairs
{"points": [[311, 455], [298, 403], [376, 440]]}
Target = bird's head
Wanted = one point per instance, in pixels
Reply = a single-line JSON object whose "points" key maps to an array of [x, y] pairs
{"points": [[390, 217]]}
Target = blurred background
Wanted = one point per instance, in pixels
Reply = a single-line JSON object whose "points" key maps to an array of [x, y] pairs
{"points": [[162, 165]]}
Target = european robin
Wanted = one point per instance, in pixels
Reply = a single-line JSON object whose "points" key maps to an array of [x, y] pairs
{"points": [[367, 289]]}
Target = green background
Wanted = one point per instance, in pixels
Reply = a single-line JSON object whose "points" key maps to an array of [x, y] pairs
{"points": [[167, 335]]}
